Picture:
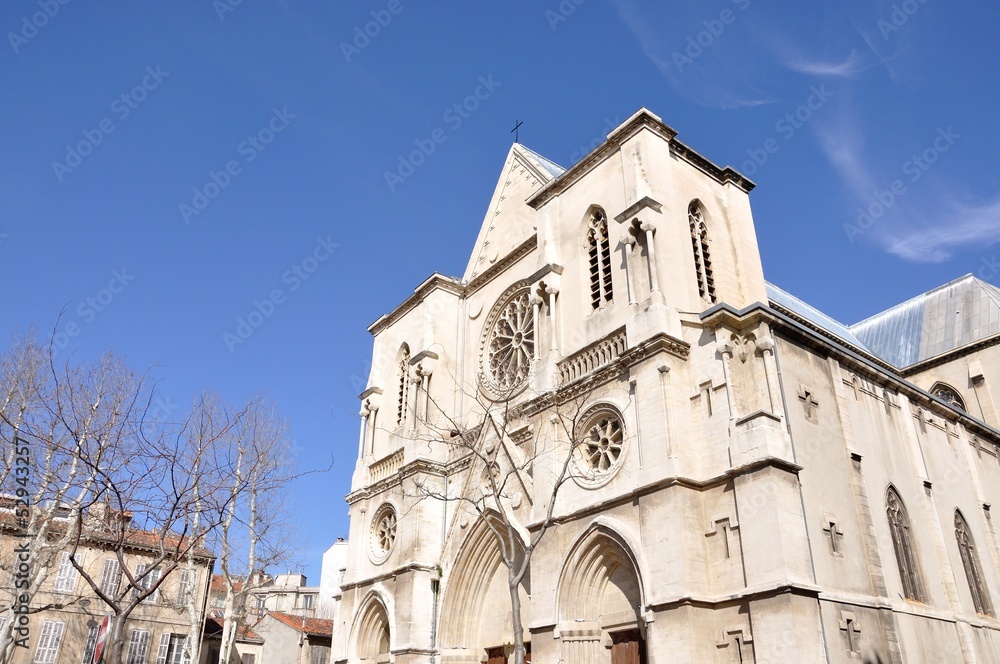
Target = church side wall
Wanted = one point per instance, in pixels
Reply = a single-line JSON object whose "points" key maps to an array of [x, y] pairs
{"points": [[854, 438]]}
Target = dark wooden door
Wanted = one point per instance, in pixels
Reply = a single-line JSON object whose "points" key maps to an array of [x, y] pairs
{"points": [[628, 648], [495, 656]]}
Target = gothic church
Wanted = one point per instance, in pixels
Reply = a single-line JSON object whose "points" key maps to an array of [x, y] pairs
{"points": [[737, 477]]}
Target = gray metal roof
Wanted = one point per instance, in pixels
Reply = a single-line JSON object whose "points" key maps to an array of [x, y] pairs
{"points": [[961, 312], [786, 300], [550, 168]]}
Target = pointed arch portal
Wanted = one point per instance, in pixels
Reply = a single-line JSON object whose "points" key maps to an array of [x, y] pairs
{"points": [[371, 633], [600, 601], [476, 609]]}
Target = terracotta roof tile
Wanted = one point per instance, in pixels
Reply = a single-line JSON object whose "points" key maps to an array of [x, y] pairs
{"points": [[309, 626]]}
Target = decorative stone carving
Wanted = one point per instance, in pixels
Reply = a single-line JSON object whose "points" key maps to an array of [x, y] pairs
{"points": [[508, 346], [383, 534]]}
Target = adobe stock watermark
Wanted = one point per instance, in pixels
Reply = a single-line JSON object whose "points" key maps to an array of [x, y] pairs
{"points": [[786, 127], [562, 12], [253, 145], [30, 25], [587, 148], [898, 17], [914, 169], [454, 117], [292, 279], [223, 7], [698, 43], [121, 107], [364, 34], [88, 310]]}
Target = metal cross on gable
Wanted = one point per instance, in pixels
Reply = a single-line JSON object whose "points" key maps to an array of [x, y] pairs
{"points": [[517, 134]]}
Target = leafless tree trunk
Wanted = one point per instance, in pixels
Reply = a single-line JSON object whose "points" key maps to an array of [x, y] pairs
{"points": [[99, 469], [253, 536], [489, 444]]}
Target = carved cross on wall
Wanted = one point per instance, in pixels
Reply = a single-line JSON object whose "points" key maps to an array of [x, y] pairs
{"points": [[734, 641], [833, 532], [808, 402], [852, 631]]}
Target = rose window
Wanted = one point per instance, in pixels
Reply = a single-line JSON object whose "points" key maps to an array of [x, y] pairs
{"points": [[600, 446], [510, 345], [383, 533]]}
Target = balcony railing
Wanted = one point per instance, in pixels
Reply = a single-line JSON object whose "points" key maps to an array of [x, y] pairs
{"points": [[386, 466], [593, 357]]}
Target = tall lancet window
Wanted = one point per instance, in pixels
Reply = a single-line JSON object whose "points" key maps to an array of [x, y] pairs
{"points": [[970, 560], [702, 255], [902, 543], [599, 248], [404, 384]]}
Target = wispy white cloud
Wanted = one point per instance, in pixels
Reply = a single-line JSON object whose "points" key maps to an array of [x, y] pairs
{"points": [[958, 226], [710, 79], [853, 64], [843, 144]]}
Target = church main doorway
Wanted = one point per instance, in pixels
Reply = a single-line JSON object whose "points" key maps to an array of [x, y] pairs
{"points": [[628, 648]]}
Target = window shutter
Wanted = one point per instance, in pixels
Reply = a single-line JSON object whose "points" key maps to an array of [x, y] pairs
{"points": [[111, 577], [161, 657], [88, 649], [48, 643], [138, 647], [66, 575]]}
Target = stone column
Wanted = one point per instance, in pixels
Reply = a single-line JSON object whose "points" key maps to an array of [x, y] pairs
{"points": [[654, 284], [363, 438], [552, 292], [629, 241]]}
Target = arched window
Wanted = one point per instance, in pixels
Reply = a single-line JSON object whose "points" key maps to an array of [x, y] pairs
{"points": [[970, 561], [599, 249], [902, 543], [404, 384], [949, 395], [702, 256]]}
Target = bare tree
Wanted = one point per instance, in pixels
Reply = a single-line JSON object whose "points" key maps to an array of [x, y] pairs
{"points": [[59, 427], [102, 471], [253, 535], [522, 451], [158, 496]]}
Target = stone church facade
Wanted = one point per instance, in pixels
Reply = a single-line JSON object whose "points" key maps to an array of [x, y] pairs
{"points": [[744, 478]]}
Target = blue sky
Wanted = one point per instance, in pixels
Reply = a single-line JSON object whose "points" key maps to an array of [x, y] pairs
{"points": [[170, 168]]}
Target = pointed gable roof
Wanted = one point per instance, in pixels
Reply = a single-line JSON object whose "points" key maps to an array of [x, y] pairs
{"points": [[509, 219], [956, 314]]}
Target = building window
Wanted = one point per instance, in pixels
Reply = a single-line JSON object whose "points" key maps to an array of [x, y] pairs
{"points": [[319, 655], [902, 543], [111, 577], [948, 395], [702, 255], [48, 642], [307, 601], [138, 647], [172, 649], [970, 561], [144, 581], [247, 658], [509, 344], [91, 644], [185, 587], [599, 252], [383, 534], [279, 603], [600, 444], [404, 384], [261, 604], [65, 575]]}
